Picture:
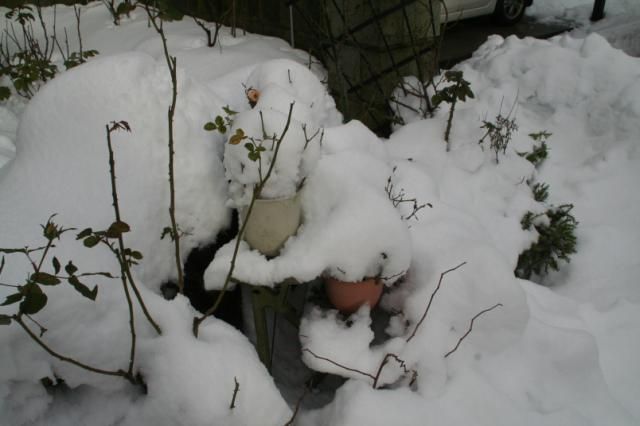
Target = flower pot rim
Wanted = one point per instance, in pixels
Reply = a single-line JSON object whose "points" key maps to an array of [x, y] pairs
{"points": [[377, 280], [275, 200]]}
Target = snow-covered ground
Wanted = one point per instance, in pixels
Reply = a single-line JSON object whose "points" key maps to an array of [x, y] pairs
{"points": [[621, 26], [566, 353]]}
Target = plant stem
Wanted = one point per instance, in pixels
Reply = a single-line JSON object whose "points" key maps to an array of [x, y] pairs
{"points": [[171, 63], [119, 373], [449, 122], [256, 194], [124, 265], [121, 256]]}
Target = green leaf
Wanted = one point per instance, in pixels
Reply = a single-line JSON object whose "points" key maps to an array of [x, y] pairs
{"points": [[209, 127], [5, 93], [44, 278], [34, 300], [83, 289], [70, 268], [136, 255], [228, 110], [5, 319], [12, 298], [167, 231], [84, 233], [91, 241], [117, 229], [56, 265]]}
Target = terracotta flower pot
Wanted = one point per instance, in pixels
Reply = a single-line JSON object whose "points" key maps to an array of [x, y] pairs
{"points": [[347, 297], [271, 223]]}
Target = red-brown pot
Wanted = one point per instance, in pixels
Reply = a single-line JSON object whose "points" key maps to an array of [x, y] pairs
{"points": [[347, 297]]}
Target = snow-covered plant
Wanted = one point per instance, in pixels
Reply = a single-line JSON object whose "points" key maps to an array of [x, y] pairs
{"points": [[499, 133], [47, 272], [117, 10], [540, 151], [26, 60], [257, 139], [458, 90], [173, 230], [255, 156], [400, 198], [556, 241]]}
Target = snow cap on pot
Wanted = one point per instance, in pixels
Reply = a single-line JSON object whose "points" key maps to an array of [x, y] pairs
{"points": [[256, 138], [282, 81]]}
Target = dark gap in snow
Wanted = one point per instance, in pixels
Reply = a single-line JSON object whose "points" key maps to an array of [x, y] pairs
{"points": [[230, 310]]}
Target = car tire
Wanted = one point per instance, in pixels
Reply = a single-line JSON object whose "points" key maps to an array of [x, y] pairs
{"points": [[509, 12]]}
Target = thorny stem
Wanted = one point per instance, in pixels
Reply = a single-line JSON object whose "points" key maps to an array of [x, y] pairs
{"points": [[236, 389], [120, 254], [171, 63], [119, 373], [449, 122], [256, 194], [402, 363], [124, 265], [330, 361], [464, 336], [297, 408], [426, 311]]}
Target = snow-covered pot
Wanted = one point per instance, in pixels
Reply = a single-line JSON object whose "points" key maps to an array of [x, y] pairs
{"points": [[297, 156], [271, 223], [348, 297]]}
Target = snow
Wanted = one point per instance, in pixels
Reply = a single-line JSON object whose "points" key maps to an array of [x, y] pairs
{"points": [[565, 352]]}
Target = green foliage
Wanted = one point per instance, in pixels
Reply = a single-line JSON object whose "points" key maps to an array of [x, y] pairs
{"points": [[21, 14], [540, 151], [220, 123], [459, 90], [540, 192], [26, 60], [255, 151], [77, 58], [556, 241], [500, 133], [30, 293], [5, 93], [27, 70]]}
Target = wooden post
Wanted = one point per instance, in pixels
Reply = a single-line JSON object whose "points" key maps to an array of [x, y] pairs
{"points": [[598, 10]]}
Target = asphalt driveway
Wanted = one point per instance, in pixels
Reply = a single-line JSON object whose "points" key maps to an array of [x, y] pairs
{"points": [[464, 37]]}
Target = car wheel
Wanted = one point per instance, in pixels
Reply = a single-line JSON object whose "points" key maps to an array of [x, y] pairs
{"points": [[508, 12]]}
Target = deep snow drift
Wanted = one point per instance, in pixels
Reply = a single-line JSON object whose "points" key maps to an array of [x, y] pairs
{"points": [[563, 354]]}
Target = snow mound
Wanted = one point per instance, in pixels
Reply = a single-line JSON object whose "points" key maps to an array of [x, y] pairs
{"points": [[62, 153]]}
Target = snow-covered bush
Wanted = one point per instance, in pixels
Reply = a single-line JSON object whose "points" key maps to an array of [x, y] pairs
{"points": [[267, 135]]}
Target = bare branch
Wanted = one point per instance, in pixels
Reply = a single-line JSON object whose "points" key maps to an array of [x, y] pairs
{"points": [[471, 327], [371, 376], [426, 311], [236, 389], [402, 364]]}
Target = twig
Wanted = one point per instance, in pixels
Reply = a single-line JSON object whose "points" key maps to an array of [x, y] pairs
{"points": [[402, 363], [297, 408], [119, 373], [371, 376], [124, 265], [171, 63], [471, 327], [256, 194], [235, 394], [426, 311], [120, 253]]}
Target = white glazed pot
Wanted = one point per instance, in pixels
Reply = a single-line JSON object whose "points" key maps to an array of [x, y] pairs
{"points": [[271, 223]]}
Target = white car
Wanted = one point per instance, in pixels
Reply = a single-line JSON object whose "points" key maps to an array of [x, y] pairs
{"points": [[505, 12]]}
